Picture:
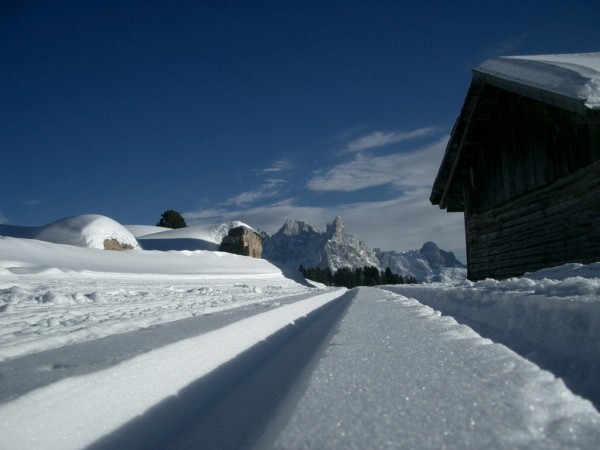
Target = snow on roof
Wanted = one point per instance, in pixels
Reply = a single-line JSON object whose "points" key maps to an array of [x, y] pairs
{"points": [[547, 77]]}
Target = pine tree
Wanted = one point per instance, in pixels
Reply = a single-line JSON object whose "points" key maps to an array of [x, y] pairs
{"points": [[171, 219]]}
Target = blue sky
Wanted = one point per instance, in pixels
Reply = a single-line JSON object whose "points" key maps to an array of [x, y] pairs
{"points": [[256, 111]]}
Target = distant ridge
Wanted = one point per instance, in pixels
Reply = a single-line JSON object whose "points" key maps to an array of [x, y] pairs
{"points": [[298, 243]]}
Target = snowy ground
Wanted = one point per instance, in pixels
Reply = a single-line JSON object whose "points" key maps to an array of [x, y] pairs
{"points": [[52, 309], [149, 349]]}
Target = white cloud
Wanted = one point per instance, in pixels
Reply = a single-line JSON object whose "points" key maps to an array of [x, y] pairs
{"points": [[3, 219], [402, 223], [268, 218], [268, 190], [277, 166], [402, 170], [381, 138]]}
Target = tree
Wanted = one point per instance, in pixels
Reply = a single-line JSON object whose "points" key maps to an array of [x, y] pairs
{"points": [[171, 219]]}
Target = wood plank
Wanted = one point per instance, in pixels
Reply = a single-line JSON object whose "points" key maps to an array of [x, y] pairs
{"points": [[552, 225]]}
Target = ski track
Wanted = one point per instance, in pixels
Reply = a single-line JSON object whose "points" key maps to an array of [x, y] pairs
{"points": [[379, 370], [432, 383], [50, 311], [97, 404]]}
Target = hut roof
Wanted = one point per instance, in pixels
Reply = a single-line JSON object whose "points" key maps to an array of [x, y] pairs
{"points": [[570, 82]]}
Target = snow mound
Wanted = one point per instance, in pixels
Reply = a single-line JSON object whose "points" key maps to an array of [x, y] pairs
{"points": [[197, 237], [145, 230], [90, 230], [195, 232]]}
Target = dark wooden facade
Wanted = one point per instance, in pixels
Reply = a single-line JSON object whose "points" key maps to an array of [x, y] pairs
{"points": [[525, 170]]}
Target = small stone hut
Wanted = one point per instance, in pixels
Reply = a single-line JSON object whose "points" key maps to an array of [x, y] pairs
{"points": [[523, 164], [242, 241]]}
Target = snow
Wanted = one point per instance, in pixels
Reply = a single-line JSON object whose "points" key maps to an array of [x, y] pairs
{"points": [[199, 237], [89, 231], [551, 317], [32, 256], [202, 349], [126, 390], [431, 383], [573, 75]]}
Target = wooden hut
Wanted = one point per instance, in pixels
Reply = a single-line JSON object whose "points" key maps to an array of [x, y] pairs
{"points": [[522, 164]]}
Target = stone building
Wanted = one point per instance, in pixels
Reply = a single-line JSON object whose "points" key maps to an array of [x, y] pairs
{"points": [[242, 241]]}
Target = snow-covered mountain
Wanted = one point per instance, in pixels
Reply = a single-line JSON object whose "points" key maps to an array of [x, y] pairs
{"points": [[297, 243], [429, 264]]}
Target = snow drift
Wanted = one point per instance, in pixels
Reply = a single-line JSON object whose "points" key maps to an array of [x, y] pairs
{"points": [[90, 231]]}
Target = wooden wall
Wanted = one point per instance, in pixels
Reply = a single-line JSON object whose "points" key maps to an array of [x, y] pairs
{"points": [[532, 188], [550, 226], [522, 145]]}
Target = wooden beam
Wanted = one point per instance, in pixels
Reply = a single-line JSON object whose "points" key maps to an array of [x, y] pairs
{"points": [[474, 102]]}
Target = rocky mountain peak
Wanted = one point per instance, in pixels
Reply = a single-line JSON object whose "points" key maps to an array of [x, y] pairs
{"points": [[293, 227], [429, 247], [438, 258], [299, 243], [336, 228]]}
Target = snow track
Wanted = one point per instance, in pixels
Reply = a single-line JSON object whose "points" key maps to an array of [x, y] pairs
{"points": [[230, 407], [23, 374], [97, 404], [430, 383], [356, 369]]}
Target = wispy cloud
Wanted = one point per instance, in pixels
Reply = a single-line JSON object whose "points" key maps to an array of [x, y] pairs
{"points": [[382, 138], [33, 202], [269, 217], [278, 166], [401, 223], [268, 190], [3, 219], [402, 170]]}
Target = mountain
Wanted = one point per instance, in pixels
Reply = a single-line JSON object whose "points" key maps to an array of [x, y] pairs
{"points": [[297, 243], [429, 264]]}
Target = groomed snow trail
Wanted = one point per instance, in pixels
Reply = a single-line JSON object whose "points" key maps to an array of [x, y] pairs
{"points": [[399, 375], [366, 368], [75, 412]]}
